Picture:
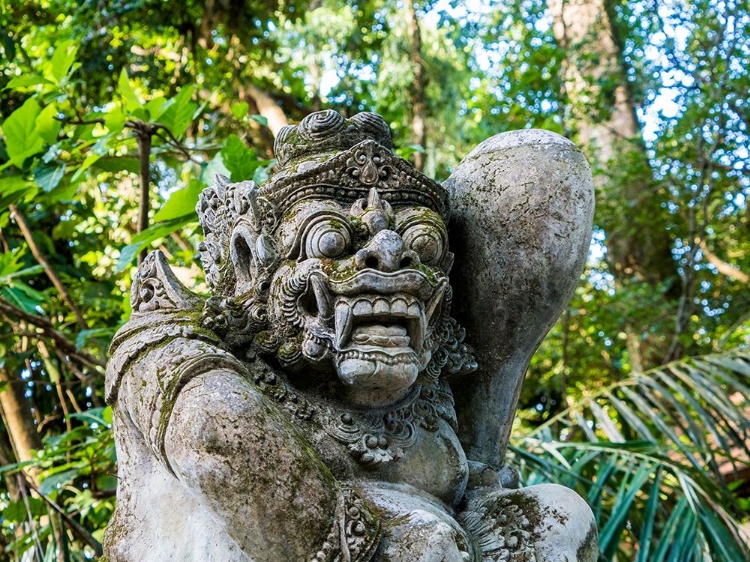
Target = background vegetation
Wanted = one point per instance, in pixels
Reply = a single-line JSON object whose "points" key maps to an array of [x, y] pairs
{"points": [[115, 114]]}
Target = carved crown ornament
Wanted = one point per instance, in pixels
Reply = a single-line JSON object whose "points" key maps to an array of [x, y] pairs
{"points": [[329, 156]]}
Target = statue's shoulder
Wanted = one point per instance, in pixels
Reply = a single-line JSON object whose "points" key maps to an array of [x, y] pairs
{"points": [[165, 334]]}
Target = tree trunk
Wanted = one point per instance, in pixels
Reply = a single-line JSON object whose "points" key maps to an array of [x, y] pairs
{"points": [[18, 419], [417, 94], [604, 117], [267, 107]]}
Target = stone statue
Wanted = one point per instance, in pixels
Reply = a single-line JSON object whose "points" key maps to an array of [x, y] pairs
{"points": [[323, 404]]}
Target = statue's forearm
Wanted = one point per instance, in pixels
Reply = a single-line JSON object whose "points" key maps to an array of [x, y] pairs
{"points": [[250, 468]]}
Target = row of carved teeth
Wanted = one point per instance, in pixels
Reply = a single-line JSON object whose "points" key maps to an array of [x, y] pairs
{"points": [[410, 357], [350, 311]]}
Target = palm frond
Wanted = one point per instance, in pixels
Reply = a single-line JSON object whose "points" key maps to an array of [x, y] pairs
{"points": [[652, 453]]}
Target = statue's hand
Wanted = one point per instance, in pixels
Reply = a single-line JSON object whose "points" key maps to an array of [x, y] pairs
{"points": [[482, 475]]}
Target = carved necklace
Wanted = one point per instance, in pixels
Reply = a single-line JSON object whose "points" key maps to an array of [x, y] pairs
{"points": [[373, 437]]}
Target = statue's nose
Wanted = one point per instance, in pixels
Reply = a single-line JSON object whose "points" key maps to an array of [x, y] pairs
{"points": [[386, 252]]}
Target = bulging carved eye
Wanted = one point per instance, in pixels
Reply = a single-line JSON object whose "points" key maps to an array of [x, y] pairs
{"points": [[426, 241], [327, 239]]}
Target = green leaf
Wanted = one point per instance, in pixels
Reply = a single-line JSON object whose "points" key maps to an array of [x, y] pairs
{"points": [[106, 482], [48, 177], [260, 120], [239, 110], [87, 163], [85, 335], [20, 300], [64, 192], [215, 166], [62, 60], [9, 46], [181, 203], [17, 511], [25, 81], [157, 106], [13, 197], [179, 115], [21, 137], [10, 184], [33, 270], [649, 517], [113, 165], [151, 234], [130, 99], [46, 125], [407, 151], [55, 482], [240, 160], [114, 119]]}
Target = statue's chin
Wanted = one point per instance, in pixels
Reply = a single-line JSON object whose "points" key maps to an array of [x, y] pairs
{"points": [[371, 371]]}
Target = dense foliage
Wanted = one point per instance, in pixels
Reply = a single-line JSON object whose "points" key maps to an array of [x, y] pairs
{"points": [[115, 114]]}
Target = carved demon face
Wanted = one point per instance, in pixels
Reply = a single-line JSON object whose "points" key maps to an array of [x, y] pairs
{"points": [[339, 262], [362, 288]]}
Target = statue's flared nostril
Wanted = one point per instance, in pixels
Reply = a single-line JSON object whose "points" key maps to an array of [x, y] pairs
{"points": [[366, 259], [386, 252]]}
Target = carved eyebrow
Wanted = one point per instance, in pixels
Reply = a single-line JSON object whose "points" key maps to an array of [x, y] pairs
{"points": [[406, 218]]}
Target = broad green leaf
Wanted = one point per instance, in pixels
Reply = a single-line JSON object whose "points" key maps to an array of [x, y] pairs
{"points": [[151, 234], [123, 164], [25, 81], [179, 115], [9, 46], [21, 138], [130, 99], [66, 191], [157, 106], [263, 121], [85, 335], [239, 110], [407, 151], [240, 160], [48, 177], [46, 125], [11, 184], [215, 166], [106, 482], [114, 119], [11, 198], [62, 60], [21, 510], [19, 299], [55, 482], [87, 163], [33, 270], [181, 203]]}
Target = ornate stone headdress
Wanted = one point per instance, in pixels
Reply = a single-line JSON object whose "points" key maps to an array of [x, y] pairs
{"points": [[343, 159]]}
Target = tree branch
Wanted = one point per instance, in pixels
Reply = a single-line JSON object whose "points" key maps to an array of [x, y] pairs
{"points": [[725, 268], [267, 107], [40, 257], [143, 136], [61, 341]]}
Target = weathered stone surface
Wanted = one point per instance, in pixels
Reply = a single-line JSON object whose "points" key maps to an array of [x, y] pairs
{"points": [[305, 410], [523, 204]]}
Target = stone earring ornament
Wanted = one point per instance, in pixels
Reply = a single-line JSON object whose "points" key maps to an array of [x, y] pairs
{"points": [[337, 397]]}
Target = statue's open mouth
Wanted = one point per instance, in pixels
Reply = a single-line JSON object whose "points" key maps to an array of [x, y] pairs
{"points": [[377, 322]]}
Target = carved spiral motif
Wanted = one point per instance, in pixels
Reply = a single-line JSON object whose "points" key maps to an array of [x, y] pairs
{"points": [[326, 239], [280, 140], [321, 124], [426, 242], [374, 126]]}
